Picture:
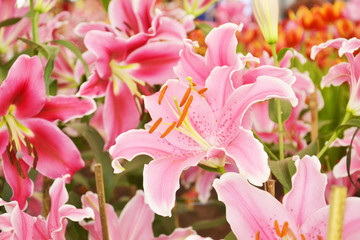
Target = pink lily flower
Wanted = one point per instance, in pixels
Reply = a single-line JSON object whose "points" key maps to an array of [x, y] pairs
{"points": [[27, 135], [134, 222], [54, 226], [197, 131], [15, 224], [136, 49], [255, 214], [344, 72]]}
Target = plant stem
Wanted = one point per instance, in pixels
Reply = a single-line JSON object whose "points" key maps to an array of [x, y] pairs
{"points": [[34, 22], [101, 196], [281, 130], [334, 136], [278, 108]]}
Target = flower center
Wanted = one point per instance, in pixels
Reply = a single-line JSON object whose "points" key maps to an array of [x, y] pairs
{"points": [[183, 123], [131, 82], [18, 136]]}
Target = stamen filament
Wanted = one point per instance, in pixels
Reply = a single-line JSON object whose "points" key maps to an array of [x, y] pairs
{"points": [[162, 94], [185, 97], [168, 130], [156, 124], [185, 111]]}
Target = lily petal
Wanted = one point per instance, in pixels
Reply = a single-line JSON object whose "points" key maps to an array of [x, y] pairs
{"points": [[250, 210], [120, 112], [58, 155], [24, 88], [337, 75], [249, 156], [191, 65], [308, 189], [22, 187], [335, 43], [106, 47], [65, 108], [160, 188], [156, 61], [123, 16], [245, 96], [222, 43], [136, 219]]}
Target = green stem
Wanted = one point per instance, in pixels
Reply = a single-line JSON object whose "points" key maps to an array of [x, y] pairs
{"points": [[334, 136], [34, 22], [273, 51], [266, 148], [281, 130], [278, 108]]}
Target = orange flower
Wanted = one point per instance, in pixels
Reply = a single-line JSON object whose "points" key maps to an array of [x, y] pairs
{"points": [[309, 19], [332, 12]]}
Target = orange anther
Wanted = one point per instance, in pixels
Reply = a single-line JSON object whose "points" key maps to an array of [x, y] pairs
{"points": [[193, 84], [185, 111], [201, 91], [303, 237], [168, 130], [285, 229], [185, 97], [319, 237], [162, 93], [277, 228], [257, 237], [156, 124]]}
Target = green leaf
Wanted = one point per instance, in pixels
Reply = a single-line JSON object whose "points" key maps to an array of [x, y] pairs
{"points": [[52, 53], [281, 171], [105, 3], [230, 236], [206, 224], [96, 144], [282, 53], [285, 110], [310, 150], [76, 51], [205, 28], [9, 22]]}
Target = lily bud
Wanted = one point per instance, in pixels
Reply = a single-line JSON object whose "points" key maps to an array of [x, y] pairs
{"points": [[267, 15]]}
